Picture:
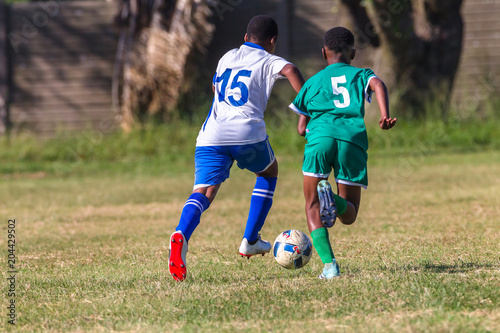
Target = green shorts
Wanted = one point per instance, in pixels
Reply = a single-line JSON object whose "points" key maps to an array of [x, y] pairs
{"points": [[347, 160]]}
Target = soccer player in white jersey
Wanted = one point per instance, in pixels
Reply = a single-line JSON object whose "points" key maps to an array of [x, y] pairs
{"points": [[235, 131]]}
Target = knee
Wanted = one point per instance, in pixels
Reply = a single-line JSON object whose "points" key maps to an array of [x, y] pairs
{"points": [[211, 195], [348, 219], [209, 192]]}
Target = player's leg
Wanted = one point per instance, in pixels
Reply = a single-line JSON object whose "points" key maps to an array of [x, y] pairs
{"points": [[351, 176], [319, 233], [212, 167], [261, 201], [316, 168], [312, 202], [352, 196], [258, 158], [195, 205]]}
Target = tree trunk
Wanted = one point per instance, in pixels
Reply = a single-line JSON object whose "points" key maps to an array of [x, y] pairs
{"points": [[127, 112], [421, 42], [162, 37]]}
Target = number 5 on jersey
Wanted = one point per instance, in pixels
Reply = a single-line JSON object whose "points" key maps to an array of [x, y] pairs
{"points": [[235, 84], [339, 90]]}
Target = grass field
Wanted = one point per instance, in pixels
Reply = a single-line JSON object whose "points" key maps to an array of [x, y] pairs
{"points": [[92, 244]]}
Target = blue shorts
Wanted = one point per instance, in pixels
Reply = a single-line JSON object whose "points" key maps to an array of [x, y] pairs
{"points": [[212, 163]]}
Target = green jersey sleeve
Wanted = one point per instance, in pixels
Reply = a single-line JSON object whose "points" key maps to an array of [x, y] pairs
{"points": [[368, 75], [299, 104]]}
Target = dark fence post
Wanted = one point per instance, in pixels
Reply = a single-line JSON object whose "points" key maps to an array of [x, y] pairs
{"points": [[4, 77], [283, 20]]}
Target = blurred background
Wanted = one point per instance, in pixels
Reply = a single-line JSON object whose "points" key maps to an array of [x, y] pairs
{"points": [[100, 106], [69, 66]]}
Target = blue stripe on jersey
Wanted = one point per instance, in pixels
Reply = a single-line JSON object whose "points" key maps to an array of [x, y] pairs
{"points": [[209, 113], [257, 46]]}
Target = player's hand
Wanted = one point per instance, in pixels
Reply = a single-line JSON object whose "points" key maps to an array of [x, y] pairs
{"points": [[387, 123]]}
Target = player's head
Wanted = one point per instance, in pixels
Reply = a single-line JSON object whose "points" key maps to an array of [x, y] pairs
{"points": [[262, 30], [339, 43]]}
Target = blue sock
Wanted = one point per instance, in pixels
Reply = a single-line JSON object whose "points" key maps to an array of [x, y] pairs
{"points": [[260, 204], [191, 213]]}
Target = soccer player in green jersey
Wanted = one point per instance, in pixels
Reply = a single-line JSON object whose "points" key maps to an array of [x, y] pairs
{"points": [[331, 106]]}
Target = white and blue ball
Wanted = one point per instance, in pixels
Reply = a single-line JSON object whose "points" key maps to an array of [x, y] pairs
{"points": [[292, 249]]}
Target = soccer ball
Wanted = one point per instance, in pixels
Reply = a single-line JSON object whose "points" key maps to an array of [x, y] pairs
{"points": [[292, 249]]}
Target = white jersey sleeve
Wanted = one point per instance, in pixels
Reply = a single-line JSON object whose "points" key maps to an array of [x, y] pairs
{"points": [[243, 84], [276, 64]]}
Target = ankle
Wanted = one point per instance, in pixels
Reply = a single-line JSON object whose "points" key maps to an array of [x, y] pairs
{"points": [[330, 265], [252, 242]]}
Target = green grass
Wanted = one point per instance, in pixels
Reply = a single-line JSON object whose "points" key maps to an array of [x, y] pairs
{"points": [[154, 146], [92, 237]]}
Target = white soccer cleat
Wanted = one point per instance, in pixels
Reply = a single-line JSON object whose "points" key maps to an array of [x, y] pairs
{"points": [[330, 272], [260, 247], [177, 256]]}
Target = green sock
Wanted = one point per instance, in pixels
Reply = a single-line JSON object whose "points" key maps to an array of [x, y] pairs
{"points": [[341, 204], [321, 242]]}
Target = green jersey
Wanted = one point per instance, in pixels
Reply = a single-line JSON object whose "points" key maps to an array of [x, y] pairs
{"points": [[334, 99]]}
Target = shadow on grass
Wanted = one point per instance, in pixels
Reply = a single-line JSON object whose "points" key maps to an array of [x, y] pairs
{"points": [[463, 267]]}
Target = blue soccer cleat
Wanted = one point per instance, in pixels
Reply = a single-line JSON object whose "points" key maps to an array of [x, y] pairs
{"points": [[327, 209], [330, 271]]}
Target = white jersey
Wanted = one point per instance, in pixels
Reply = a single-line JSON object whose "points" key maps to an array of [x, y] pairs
{"points": [[243, 83]]}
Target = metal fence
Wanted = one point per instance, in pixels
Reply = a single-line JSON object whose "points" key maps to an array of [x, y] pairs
{"points": [[57, 57]]}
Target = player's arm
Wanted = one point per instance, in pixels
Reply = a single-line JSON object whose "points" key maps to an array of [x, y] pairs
{"points": [[378, 86], [301, 126], [294, 76]]}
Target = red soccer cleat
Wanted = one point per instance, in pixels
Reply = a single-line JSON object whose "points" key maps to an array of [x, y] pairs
{"points": [[177, 257]]}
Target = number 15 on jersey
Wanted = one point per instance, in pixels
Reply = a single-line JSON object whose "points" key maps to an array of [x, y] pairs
{"points": [[236, 84]]}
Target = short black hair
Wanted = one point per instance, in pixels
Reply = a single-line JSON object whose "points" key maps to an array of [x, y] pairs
{"points": [[339, 39], [262, 28]]}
